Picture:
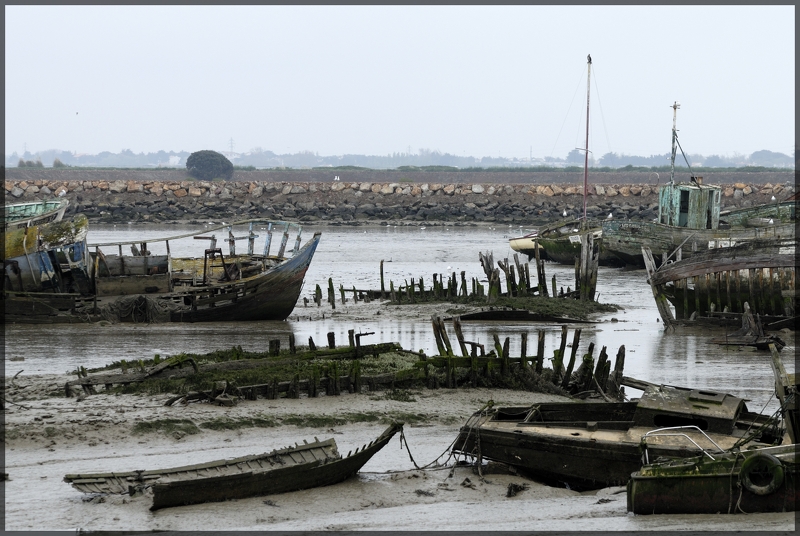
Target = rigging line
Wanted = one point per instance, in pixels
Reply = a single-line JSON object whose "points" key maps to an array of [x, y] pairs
{"points": [[600, 104], [684, 154], [567, 115]]}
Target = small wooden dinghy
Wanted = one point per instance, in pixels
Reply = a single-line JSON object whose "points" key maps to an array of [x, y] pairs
{"points": [[304, 466]]}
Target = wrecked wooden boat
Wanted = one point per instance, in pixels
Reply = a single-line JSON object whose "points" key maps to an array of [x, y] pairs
{"points": [[747, 481], [723, 281], [33, 213], [72, 281], [295, 468], [591, 445], [690, 218]]}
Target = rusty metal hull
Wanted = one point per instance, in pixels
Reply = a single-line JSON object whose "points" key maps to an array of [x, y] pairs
{"points": [[625, 239], [703, 486], [759, 273]]}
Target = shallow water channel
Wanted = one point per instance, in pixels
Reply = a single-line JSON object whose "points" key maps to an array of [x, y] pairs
{"points": [[351, 256]]}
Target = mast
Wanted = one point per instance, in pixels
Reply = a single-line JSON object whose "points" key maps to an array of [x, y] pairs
{"points": [[675, 107], [586, 152]]}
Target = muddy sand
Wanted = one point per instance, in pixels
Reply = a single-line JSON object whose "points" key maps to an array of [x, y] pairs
{"points": [[49, 436]]}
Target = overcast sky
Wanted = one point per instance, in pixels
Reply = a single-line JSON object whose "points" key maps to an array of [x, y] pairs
{"points": [[471, 81]]}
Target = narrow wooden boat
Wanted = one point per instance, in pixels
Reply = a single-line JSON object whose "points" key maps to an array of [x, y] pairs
{"points": [[304, 466], [748, 481], [64, 281], [20, 215], [591, 445]]}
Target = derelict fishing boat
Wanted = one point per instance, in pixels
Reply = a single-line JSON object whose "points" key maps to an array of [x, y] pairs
{"points": [[689, 217], [590, 445], [19, 215], [66, 282], [305, 466]]}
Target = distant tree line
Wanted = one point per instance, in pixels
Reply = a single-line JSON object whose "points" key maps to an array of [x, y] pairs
{"points": [[424, 159]]}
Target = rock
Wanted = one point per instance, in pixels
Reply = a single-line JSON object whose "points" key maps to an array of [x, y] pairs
{"points": [[728, 191], [180, 192], [117, 187], [16, 191], [557, 190], [195, 192], [365, 187], [738, 194], [636, 190], [747, 190], [740, 186], [601, 190], [625, 191], [477, 189], [449, 189], [611, 192]]}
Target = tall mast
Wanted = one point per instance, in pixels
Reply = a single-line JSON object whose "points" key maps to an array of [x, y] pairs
{"points": [[675, 107], [586, 152]]}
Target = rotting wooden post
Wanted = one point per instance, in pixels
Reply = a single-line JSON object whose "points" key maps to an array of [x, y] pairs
{"points": [[576, 337], [383, 288], [311, 346], [522, 287], [599, 371], [421, 288], [435, 286], [351, 337], [463, 283], [438, 336], [445, 338], [527, 278], [274, 347], [578, 274], [341, 291], [305, 302], [331, 340], [331, 293], [585, 376], [505, 365], [337, 390], [355, 294], [555, 293], [473, 366], [391, 292], [292, 348], [540, 275], [460, 336], [318, 296], [540, 353], [523, 354], [619, 365]]}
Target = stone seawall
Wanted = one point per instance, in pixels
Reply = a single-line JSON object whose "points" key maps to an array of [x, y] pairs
{"points": [[147, 199]]}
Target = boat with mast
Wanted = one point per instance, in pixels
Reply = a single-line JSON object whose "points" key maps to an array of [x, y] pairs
{"points": [[689, 218], [561, 241]]}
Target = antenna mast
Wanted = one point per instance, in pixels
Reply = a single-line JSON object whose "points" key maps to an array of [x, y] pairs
{"points": [[586, 156], [675, 107]]}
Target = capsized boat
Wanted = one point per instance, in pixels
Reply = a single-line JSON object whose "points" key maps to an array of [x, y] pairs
{"points": [[590, 445], [305, 466], [65, 281], [20, 215]]}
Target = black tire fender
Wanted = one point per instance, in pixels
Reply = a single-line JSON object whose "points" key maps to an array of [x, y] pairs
{"points": [[761, 474]]}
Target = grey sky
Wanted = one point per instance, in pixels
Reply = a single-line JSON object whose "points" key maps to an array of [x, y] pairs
{"points": [[474, 80]]}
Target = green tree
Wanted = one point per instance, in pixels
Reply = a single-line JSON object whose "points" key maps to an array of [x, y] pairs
{"points": [[58, 163], [21, 163], [208, 165]]}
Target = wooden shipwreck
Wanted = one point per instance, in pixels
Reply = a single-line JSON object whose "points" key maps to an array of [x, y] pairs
{"points": [[68, 280], [310, 465], [722, 281]]}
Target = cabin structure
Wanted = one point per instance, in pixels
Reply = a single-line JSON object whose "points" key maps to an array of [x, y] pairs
{"points": [[693, 205]]}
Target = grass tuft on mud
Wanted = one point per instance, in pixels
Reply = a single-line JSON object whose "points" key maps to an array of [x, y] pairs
{"points": [[166, 426]]}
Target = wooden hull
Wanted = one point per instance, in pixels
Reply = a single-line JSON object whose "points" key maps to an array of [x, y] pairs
{"points": [[561, 243], [704, 486], [760, 273], [304, 466], [316, 473], [777, 212], [21, 215], [625, 239], [146, 289]]}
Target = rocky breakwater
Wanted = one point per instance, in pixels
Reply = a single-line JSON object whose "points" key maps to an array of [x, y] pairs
{"points": [[345, 202]]}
